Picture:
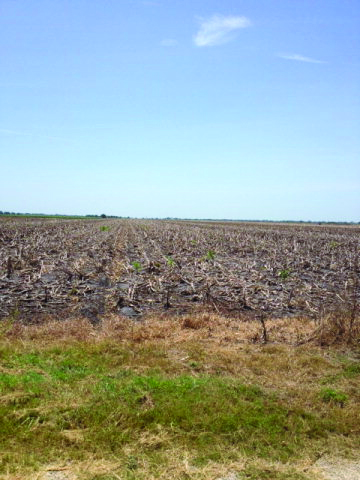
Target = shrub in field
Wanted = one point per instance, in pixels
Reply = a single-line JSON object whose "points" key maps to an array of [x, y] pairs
{"points": [[104, 228]]}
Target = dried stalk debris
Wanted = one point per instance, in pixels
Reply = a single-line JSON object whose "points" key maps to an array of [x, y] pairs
{"points": [[134, 267]]}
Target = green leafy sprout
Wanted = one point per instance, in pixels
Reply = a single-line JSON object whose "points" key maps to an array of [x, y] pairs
{"points": [[210, 255], [284, 274], [137, 266], [170, 261]]}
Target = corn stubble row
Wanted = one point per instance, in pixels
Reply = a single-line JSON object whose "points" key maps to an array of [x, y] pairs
{"points": [[133, 267]]}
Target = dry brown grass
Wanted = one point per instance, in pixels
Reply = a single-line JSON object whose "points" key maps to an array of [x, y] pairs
{"points": [[337, 328], [334, 329]]}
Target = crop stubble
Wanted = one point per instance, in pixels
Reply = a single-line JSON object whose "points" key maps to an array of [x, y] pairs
{"points": [[67, 267]]}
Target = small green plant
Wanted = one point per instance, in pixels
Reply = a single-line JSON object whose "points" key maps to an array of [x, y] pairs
{"points": [[132, 462], [329, 395], [194, 365], [170, 262], [104, 228], [284, 274], [137, 266], [210, 255], [334, 244]]}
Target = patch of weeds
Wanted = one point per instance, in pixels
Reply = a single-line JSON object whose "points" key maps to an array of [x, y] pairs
{"points": [[32, 358], [29, 382], [336, 397], [109, 386], [132, 462], [170, 262], [104, 228], [8, 382], [137, 266], [210, 256], [284, 274], [352, 370], [199, 412], [195, 365], [67, 371], [334, 244]]}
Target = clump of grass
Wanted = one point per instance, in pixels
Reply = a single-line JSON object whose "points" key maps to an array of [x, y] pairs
{"points": [[104, 228], [336, 397]]}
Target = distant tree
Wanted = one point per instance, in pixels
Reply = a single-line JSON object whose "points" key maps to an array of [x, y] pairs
{"points": [[1, 212], [103, 215]]}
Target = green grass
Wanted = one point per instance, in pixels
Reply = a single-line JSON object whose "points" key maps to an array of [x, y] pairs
{"points": [[333, 396], [135, 403]]}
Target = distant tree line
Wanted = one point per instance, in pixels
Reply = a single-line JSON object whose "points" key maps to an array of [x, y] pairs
{"points": [[103, 215]]}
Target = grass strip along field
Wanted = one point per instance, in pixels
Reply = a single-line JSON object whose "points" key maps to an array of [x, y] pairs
{"points": [[138, 402]]}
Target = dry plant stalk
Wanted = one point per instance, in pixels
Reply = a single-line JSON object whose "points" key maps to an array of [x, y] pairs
{"points": [[139, 267]]}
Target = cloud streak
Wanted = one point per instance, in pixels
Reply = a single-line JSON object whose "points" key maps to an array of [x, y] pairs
{"points": [[169, 42], [6, 131], [219, 29], [299, 58]]}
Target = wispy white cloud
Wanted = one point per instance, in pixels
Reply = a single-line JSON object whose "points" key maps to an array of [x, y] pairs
{"points": [[7, 131], [219, 29], [299, 58], [150, 3], [169, 42]]}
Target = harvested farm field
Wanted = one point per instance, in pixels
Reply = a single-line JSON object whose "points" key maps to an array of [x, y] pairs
{"points": [[134, 268], [143, 350]]}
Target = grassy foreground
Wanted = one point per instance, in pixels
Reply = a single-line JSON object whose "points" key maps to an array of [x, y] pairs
{"points": [[173, 399]]}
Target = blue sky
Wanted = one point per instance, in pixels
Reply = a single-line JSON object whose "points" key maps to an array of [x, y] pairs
{"points": [[199, 109]]}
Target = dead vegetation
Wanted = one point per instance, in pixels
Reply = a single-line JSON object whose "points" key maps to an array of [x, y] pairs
{"points": [[332, 330], [133, 268]]}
